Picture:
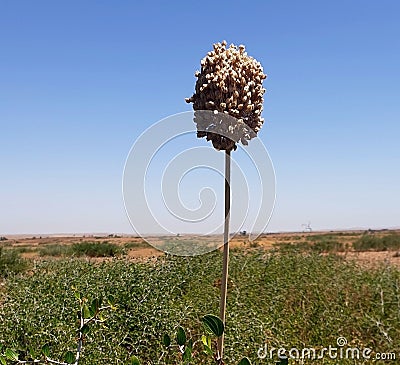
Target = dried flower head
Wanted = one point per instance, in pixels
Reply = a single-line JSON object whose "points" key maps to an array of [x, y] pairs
{"points": [[230, 84]]}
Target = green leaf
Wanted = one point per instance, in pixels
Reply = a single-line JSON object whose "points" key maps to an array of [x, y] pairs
{"points": [[86, 312], [134, 361], [112, 302], [32, 353], [213, 324], [95, 306], [207, 344], [11, 355], [111, 299], [84, 329], [180, 336], [69, 357], [187, 355], [166, 340], [46, 350], [190, 344], [3, 360], [244, 361]]}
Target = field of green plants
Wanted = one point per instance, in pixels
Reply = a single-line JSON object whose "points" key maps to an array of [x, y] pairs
{"points": [[287, 297]]}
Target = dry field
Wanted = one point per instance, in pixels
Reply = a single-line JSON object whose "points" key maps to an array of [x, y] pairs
{"points": [[136, 248]]}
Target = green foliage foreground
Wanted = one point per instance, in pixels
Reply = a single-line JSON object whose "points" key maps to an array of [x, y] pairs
{"points": [[282, 300]]}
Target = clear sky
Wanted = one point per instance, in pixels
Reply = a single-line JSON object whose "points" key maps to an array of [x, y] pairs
{"points": [[81, 80]]}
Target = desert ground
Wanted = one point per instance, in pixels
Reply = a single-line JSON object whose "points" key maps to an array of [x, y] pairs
{"points": [[138, 248]]}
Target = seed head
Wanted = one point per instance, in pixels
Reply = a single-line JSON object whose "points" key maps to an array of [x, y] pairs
{"points": [[229, 83]]}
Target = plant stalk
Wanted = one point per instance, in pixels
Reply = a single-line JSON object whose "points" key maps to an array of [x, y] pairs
{"points": [[224, 280]]}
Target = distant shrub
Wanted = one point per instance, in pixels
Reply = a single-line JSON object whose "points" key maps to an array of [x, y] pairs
{"points": [[54, 250], [2, 238], [330, 236], [328, 245], [291, 247], [368, 242], [23, 249], [136, 244], [371, 242], [391, 241], [322, 245], [95, 249], [11, 263]]}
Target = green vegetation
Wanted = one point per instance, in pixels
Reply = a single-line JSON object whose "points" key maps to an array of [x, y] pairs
{"points": [[321, 244], [96, 249], [373, 242], [11, 263], [22, 249], [343, 241], [185, 247], [136, 244], [291, 300], [84, 248], [56, 250], [90, 314], [327, 244], [331, 235]]}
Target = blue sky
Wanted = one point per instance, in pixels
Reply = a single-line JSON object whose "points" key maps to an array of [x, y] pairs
{"points": [[81, 80]]}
